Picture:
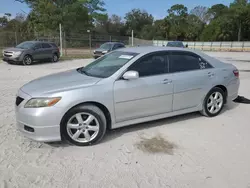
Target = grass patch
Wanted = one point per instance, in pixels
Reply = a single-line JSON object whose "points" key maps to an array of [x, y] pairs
{"points": [[71, 57]]}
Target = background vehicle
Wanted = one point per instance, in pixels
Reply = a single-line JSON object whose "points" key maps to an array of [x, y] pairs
{"points": [[176, 44], [124, 87], [30, 51], [107, 47]]}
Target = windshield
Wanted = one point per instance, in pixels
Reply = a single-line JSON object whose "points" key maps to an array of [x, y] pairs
{"points": [[175, 44], [106, 46], [25, 45], [107, 65]]}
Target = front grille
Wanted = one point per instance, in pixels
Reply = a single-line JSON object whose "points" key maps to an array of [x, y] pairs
{"points": [[19, 100], [7, 55]]}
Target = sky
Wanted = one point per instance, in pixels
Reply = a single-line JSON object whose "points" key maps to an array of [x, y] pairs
{"points": [[158, 8]]}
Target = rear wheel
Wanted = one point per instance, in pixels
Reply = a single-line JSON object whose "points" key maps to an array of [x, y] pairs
{"points": [[84, 125], [55, 57], [27, 60], [214, 102]]}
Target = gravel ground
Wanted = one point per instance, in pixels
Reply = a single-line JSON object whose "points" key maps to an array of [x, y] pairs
{"points": [[180, 152]]}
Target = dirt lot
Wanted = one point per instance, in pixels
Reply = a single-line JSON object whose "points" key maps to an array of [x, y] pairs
{"points": [[180, 152]]}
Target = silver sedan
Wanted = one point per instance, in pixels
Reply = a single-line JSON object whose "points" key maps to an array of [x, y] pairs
{"points": [[124, 87]]}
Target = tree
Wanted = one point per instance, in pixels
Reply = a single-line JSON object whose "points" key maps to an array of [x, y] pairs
{"points": [[136, 20], [217, 10], [194, 27], [201, 12], [72, 14], [239, 8], [3, 21], [177, 19]]}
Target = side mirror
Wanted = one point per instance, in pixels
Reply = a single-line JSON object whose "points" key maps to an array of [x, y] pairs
{"points": [[130, 75]]}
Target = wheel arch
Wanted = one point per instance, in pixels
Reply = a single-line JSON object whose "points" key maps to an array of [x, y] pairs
{"points": [[224, 89], [101, 106]]}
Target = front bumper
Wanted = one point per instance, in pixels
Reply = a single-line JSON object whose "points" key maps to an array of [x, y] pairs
{"points": [[39, 124], [12, 59]]}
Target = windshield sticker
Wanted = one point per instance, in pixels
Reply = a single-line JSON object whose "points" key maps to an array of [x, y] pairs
{"points": [[126, 57]]}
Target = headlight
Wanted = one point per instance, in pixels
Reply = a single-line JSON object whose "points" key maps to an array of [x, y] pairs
{"points": [[42, 102], [17, 53], [104, 52]]}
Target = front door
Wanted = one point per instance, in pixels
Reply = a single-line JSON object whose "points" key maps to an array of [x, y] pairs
{"points": [[150, 94], [191, 77]]}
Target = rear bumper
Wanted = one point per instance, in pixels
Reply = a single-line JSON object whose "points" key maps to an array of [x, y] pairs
{"points": [[233, 89]]}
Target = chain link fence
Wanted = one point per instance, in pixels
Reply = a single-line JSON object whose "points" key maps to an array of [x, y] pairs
{"points": [[231, 46], [73, 44]]}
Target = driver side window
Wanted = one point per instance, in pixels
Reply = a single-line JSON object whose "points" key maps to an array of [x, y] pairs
{"points": [[37, 46], [150, 65]]}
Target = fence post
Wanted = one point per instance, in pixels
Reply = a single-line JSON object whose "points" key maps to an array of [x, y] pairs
{"points": [[194, 44], [231, 46], [132, 37], [60, 27], [243, 45], [16, 37], [220, 45], [64, 43], [211, 45], [202, 45]]}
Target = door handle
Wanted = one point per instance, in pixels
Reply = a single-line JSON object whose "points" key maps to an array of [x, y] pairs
{"points": [[210, 74], [167, 81]]}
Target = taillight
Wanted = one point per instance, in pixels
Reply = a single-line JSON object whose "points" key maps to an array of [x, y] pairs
{"points": [[236, 73]]}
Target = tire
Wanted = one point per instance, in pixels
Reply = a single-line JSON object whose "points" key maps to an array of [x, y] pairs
{"points": [[77, 122], [212, 102], [27, 60], [55, 58]]}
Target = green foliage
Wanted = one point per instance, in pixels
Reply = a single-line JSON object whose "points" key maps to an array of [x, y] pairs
{"points": [[217, 23], [136, 20]]}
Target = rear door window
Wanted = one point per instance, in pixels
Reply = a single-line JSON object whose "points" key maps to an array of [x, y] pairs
{"points": [[186, 61], [46, 45]]}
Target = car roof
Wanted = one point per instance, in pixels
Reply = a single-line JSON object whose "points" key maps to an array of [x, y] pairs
{"points": [[113, 43], [149, 49], [37, 41]]}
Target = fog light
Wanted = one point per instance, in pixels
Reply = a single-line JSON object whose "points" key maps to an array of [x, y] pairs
{"points": [[29, 129]]}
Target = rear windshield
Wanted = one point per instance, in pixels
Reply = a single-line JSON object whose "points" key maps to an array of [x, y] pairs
{"points": [[175, 44], [53, 44]]}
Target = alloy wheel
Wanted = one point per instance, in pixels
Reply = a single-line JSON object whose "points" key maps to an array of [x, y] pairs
{"points": [[83, 127], [215, 102]]}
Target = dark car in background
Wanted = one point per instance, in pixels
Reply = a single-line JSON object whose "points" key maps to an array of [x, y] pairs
{"points": [[176, 44], [30, 51], [107, 47]]}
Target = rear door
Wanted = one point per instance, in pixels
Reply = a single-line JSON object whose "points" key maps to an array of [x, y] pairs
{"points": [[191, 77], [47, 51], [38, 52]]}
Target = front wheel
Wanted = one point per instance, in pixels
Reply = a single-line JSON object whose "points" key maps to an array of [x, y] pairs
{"points": [[214, 102], [84, 125], [27, 60]]}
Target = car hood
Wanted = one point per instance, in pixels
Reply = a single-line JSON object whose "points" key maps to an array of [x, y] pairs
{"points": [[100, 50], [58, 82], [14, 49]]}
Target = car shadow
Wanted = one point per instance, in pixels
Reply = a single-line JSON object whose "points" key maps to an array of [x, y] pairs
{"points": [[115, 133]]}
